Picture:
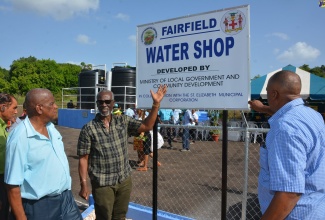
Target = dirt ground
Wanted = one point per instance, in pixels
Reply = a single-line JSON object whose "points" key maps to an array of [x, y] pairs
{"points": [[189, 183]]}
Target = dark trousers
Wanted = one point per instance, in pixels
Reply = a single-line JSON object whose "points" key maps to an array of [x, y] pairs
{"points": [[192, 134], [61, 207], [112, 202], [4, 208]]}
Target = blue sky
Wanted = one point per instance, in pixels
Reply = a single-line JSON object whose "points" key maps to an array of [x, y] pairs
{"points": [[104, 31]]}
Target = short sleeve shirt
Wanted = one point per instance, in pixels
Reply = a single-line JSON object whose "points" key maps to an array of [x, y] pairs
{"points": [[188, 117], [108, 162], [293, 160], [176, 113], [36, 163], [164, 114]]}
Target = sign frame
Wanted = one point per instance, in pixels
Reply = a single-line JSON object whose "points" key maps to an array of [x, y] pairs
{"points": [[204, 64]]}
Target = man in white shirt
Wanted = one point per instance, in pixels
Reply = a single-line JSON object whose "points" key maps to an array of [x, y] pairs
{"points": [[171, 132]]}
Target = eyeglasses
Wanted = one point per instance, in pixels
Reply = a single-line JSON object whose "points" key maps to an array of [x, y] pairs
{"points": [[107, 102]]}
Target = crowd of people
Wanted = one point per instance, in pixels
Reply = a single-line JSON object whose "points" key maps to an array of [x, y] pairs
{"points": [[186, 117], [34, 171]]}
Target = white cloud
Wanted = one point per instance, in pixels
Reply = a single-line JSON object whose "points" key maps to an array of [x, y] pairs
{"points": [[122, 17], [300, 52], [283, 36], [58, 9], [84, 39], [132, 38]]}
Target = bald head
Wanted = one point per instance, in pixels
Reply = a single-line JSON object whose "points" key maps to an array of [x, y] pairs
{"points": [[36, 97], [283, 87], [286, 82], [106, 92]]}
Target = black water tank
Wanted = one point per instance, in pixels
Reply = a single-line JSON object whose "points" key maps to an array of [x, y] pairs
{"points": [[87, 79], [122, 76]]}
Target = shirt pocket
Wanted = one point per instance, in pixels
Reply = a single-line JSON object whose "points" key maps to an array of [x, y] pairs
{"points": [[264, 175]]}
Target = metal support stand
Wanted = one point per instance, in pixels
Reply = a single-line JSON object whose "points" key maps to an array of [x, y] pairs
{"points": [[224, 164]]}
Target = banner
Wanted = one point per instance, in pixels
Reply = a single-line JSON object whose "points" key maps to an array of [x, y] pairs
{"points": [[203, 59]]}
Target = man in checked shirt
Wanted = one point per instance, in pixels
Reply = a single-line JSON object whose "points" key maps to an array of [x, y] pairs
{"points": [[291, 182], [103, 154]]}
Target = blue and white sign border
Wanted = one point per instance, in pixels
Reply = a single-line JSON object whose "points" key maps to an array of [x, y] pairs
{"points": [[203, 58]]}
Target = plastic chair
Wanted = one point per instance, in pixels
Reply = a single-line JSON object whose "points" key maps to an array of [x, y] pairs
{"points": [[203, 131], [265, 125], [256, 133], [233, 124]]}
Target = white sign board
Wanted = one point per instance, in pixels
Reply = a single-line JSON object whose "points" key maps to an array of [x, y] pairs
{"points": [[203, 59]]}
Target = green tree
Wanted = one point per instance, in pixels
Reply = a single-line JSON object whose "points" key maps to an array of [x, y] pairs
{"points": [[22, 67], [319, 71], [4, 85], [4, 74], [70, 73], [28, 73], [85, 66], [305, 67]]}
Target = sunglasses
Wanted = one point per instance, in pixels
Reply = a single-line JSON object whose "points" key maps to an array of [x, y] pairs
{"points": [[107, 102]]}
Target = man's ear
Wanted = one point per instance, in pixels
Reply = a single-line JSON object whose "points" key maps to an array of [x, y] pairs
{"points": [[276, 94], [3, 108], [273, 94], [39, 109]]}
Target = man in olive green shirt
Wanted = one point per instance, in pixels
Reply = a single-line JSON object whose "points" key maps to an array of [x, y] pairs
{"points": [[8, 111]]}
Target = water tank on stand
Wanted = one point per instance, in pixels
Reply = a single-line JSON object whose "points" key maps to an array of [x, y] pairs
{"points": [[86, 98], [124, 85]]}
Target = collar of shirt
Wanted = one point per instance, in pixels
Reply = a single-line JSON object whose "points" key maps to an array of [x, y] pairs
{"points": [[285, 109], [100, 121], [31, 132]]}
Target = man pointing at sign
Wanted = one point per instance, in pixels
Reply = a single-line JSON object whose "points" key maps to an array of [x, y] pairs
{"points": [[103, 155]]}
